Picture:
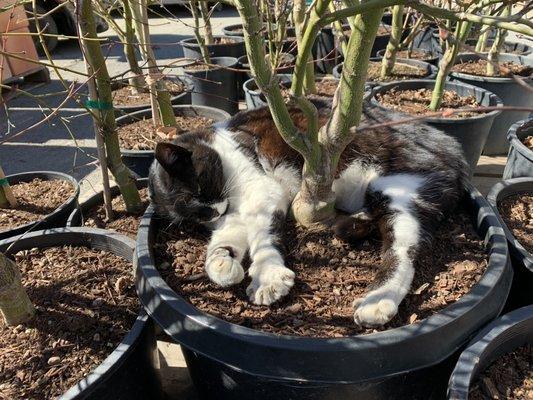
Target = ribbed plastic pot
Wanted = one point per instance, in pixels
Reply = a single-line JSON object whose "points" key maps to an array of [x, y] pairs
{"points": [[129, 372], [502, 336], [56, 218], [508, 90], [508, 47], [522, 260], [182, 98], [431, 71], [217, 86], [235, 49], [432, 59], [139, 161], [76, 217], [520, 157], [253, 96], [228, 361], [471, 132]]}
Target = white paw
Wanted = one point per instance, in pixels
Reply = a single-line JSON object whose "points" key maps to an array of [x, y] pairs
{"points": [[374, 310], [223, 269], [272, 284]]}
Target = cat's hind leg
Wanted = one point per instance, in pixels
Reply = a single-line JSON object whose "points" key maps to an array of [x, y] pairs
{"points": [[225, 251], [401, 233]]}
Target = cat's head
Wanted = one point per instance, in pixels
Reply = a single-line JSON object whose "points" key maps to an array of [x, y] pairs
{"points": [[186, 182]]}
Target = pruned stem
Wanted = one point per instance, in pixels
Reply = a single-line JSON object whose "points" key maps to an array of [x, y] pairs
{"points": [[15, 305], [494, 52], [393, 46]]}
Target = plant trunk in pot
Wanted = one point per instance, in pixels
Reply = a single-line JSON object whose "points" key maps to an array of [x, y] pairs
{"points": [[471, 132], [224, 46], [521, 257], [520, 158], [508, 90], [34, 215], [507, 335], [139, 161], [216, 86], [229, 361], [129, 369]]}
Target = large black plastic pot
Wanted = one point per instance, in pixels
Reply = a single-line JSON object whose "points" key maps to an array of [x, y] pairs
{"points": [[252, 94], [508, 90], [380, 42], [470, 132], [508, 47], [502, 336], [431, 71], [56, 218], [432, 59], [129, 372], [182, 98], [139, 161], [324, 52], [520, 157], [191, 49], [522, 290], [217, 86], [76, 218], [228, 361]]}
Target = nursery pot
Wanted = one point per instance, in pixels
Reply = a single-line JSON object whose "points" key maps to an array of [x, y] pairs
{"points": [[182, 98], [139, 161], [502, 336], [380, 41], [76, 218], [508, 90], [252, 94], [217, 86], [470, 132], [235, 49], [129, 372], [508, 47], [522, 291], [431, 71], [56, 218], [324, 51], [434, 60], [520, 157], [233, 30], [228, 361]]}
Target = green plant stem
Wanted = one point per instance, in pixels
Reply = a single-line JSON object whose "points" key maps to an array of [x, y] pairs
{"points": [[7, 198], [393, 46], [15, 305], [106, 120], [299, 21], [339, 32], [208, 31], [200, 40], [494, 52], [137, 82], [482, 41]]}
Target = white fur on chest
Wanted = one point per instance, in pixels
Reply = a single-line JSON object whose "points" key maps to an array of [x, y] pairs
{"points": [[350, 187]]}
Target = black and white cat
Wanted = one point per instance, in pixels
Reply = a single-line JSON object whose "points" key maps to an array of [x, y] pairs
{"points": [[240, 177]]}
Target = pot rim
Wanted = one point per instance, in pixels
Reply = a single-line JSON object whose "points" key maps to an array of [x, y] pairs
{"points": [[501, 191], [176, 107], [421, 83], [191, 41], [512, 136], [153, 291], [114, 243], [30, 175], [511, 330]]}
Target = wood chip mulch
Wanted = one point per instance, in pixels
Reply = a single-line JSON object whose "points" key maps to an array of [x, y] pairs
{"points": [[528, 142], [123, 96], [86, 303], [510, 377], [330, 274], [507, 69], [517, 213], [399, 72], [35, 199]]}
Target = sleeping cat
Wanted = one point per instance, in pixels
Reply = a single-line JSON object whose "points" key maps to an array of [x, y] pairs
{"points": [[239, 178]]}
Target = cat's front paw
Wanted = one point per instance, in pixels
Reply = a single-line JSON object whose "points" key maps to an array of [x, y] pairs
{"points": [[272, 284], [374, 310], [223, 269]]}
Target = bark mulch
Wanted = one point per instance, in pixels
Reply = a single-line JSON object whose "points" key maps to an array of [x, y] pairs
{"points": [[517, 212]]}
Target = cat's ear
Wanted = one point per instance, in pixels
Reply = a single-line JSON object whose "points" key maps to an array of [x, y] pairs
{"points": [[173, 158]]}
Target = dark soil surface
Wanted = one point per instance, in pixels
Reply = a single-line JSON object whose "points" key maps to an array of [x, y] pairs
{"points": [[36, 199], [517, 212], [86, 304], [123, 222], [326, 87], [415, 55], [141, 135], [124, 96], [510, 377], [399, 72], [330, 274], [417, 102], [479, 68], [528, 142]]}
